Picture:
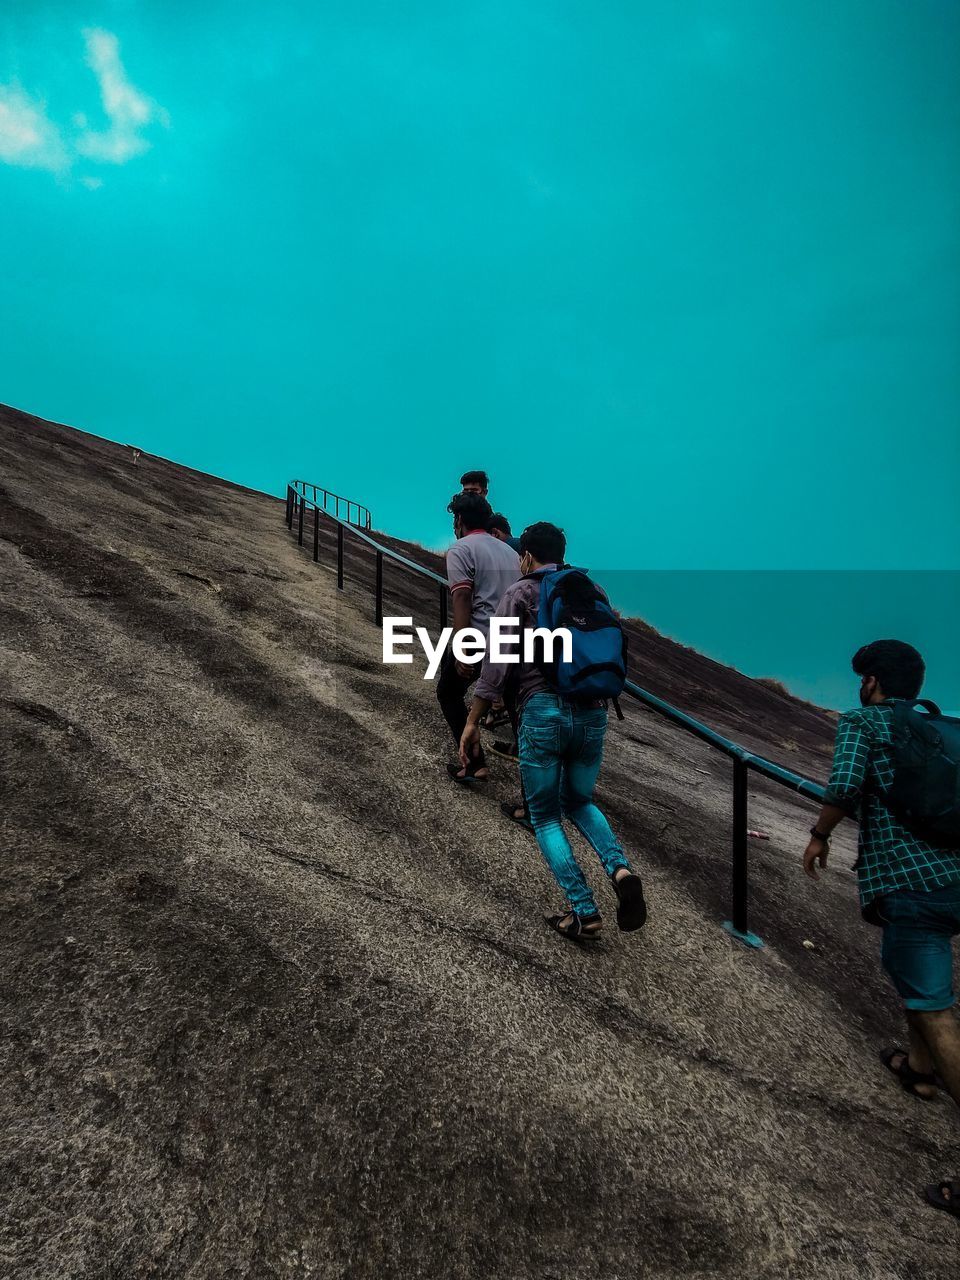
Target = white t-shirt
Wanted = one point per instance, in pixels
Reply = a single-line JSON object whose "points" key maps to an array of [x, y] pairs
{"points": [[486, 566]]}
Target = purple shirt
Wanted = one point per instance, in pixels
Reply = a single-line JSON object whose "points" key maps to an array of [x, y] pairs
{"points": [[521, 600]]}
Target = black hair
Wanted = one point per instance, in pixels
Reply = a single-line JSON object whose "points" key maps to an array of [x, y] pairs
{"points": [[898, 667], [545, 542], [499, 521], [472, 508], [476, 477]]}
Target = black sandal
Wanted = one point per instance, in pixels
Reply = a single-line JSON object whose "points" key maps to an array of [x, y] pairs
{"points": [[510, 811], [909, 1079], [509, 750], [631, 906], [945, 1195], [469, 777], [575, 930]]}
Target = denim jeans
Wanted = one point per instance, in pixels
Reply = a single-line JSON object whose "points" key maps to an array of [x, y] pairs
{"points": [[918, 929], [561, 747]]}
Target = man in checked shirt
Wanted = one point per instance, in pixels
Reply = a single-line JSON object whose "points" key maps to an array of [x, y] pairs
{"points": [[908, 887]]}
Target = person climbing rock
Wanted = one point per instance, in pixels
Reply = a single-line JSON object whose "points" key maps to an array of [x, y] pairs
{"points": [[889, 760], [479, 570], [561, 749], [499, 527]]}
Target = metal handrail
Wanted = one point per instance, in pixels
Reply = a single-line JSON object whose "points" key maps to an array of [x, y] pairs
{"points": [[743, 760], [297, 502], [777, 773], [363, 520]]}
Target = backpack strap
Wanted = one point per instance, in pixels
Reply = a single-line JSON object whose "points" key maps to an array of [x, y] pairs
{"points": [[911, 704], [930, 707]]}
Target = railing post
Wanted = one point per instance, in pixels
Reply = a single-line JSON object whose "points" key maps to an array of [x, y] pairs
{"points": [[316, 532], [379, 605], [300, 522], [288, 517], [740, 880], [339, 557], [443, 605]]}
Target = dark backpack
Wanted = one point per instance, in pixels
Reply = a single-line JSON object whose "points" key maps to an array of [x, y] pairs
{"points": [[598, 665], [925, 792]]}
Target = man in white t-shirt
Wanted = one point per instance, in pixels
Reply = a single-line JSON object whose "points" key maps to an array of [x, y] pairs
{"points": [[479, 570]]}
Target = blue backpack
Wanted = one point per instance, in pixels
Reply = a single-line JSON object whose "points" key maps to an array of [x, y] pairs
{"points": [[598, 665]]}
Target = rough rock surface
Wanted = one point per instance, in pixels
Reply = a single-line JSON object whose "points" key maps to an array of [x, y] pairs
{"points": [[278, 1001]]}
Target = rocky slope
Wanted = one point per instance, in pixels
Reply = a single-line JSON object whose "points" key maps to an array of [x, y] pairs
{"points": [[278, 1002]]}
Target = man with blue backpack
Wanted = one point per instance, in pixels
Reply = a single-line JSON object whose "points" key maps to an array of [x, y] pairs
{"points": [[896, 767], [562, 722]]}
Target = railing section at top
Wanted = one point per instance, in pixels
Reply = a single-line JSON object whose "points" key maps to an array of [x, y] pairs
{"points": [[333, 504]]}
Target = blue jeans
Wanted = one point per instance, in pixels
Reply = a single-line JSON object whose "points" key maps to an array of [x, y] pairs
{"points": [[561, 747], [918, 929]]}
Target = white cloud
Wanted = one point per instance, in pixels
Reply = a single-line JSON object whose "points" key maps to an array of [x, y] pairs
{"points": [[128, 110], [27, 136]]}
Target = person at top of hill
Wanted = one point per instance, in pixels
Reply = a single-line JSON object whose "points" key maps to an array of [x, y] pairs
{"points": [[475, 482], [561, 748], [479, 570], [479, 482], [897, 770]]}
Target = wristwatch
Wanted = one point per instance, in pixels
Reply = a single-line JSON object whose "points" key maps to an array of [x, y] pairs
{"points": [[818, 835]]}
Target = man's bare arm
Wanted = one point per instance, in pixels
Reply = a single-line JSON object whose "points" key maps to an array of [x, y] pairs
{"points": [[462, 609], [818, 849]]}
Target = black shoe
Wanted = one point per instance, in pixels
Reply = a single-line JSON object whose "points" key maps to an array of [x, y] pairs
{"points": [[631, 907]]}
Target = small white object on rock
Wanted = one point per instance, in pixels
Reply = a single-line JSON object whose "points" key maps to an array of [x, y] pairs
{"points": [[808, 944]]}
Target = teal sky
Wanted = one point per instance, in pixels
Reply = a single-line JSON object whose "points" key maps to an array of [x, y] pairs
{"points": [[683, 277]]}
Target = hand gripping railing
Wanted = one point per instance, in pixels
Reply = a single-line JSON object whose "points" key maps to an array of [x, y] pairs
{"points": [[743, 760]]}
